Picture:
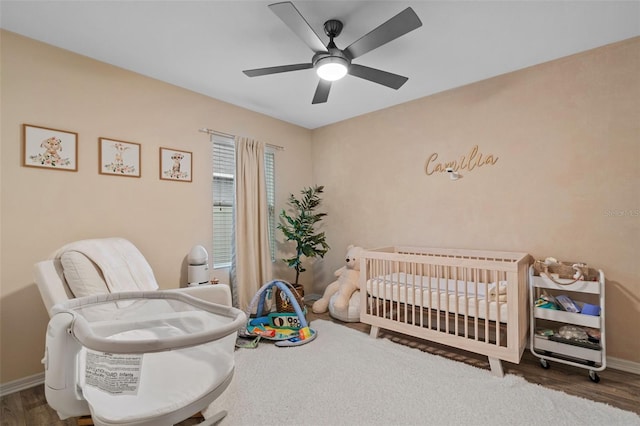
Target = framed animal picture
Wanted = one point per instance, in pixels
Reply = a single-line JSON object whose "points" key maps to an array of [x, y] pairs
{"points": [[49, 148], [119, 158], [175, 165]]}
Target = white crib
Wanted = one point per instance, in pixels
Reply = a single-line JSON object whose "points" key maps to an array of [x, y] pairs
{"points": [[474, 300]]}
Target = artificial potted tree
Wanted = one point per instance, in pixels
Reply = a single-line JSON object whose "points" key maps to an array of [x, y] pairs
{"points": [[299, 226]]}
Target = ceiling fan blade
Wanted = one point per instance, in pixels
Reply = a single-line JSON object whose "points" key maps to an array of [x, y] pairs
{"points": [[322, 92], [275, 70], [288, 13], [388, 79], [399, 25]]}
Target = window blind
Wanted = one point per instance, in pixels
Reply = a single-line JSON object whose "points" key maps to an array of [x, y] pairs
{"points": [[224, 164], [269, 161], [223, 196]]}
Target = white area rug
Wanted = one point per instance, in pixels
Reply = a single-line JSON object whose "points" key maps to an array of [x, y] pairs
{"points": [[345, 377]]}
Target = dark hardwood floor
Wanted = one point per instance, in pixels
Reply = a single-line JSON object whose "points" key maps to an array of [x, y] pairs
{"points": [[616, 388]]}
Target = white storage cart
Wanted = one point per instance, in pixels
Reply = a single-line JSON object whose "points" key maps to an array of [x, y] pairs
{"points": [[589, 354]]}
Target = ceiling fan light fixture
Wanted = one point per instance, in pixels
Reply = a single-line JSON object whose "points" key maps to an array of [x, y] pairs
{"points": [[332, 68]]}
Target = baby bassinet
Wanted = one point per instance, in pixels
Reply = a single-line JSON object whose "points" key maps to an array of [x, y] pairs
{"points": [[139, 358]]}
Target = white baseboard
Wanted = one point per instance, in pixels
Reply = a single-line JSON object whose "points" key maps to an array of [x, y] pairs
{"points": [[623, 365], [21, 384]]}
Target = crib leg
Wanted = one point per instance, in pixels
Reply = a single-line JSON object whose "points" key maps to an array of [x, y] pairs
{"points": [[496, 367], [374, 331]]}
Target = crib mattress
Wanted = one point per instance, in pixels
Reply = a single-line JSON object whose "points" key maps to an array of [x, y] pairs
{"points": [[441, 294]]}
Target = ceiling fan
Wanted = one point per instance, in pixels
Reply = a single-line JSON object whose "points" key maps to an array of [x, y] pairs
{"points": [[332, 63]]}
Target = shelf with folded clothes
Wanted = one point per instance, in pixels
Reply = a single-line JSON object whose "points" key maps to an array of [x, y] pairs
{"points": [[567, 322], [567, 317], [568, 350]]}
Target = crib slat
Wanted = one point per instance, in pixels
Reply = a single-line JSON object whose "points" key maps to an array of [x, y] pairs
{"points": [[406, 292], [438, 301], [429, 299], [396, 290], [497, 322], [379, 273], [476, 302], [446, 294], [485, 286], [384, 289], [456, 299], [466, 303]]}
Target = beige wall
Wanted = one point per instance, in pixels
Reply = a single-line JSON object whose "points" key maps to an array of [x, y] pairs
{"points": [[43, 209], [565, 133], [566, 183]]}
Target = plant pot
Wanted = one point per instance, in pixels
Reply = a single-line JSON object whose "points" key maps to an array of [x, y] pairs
{"points": [[283, 304]]}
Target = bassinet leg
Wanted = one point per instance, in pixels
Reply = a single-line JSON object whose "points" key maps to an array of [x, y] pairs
{"points": [[374, 331], [214, 419], [496, 367]]}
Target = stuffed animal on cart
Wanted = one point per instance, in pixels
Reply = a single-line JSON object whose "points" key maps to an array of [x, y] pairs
{"points": [[348, 281]]}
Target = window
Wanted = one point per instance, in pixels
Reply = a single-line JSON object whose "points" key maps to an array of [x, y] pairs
{"points": [[224, 163], [269, 162], [223, 199]]}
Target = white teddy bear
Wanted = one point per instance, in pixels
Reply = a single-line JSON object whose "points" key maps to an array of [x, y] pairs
{"points": [[347, 283]]}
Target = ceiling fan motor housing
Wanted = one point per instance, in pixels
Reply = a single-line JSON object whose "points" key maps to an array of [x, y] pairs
{"points": [[332, 28]]}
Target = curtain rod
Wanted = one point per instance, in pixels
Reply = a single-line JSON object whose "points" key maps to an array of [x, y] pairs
{"points": [[227, 135]]}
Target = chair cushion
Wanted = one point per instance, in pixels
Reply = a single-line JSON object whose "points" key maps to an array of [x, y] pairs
{"points": [[122, 265], [83, 277]]}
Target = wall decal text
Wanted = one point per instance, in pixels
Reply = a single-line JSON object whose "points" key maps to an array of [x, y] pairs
{"points": [[466, 162]]}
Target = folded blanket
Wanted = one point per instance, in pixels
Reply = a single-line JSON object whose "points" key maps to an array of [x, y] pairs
{"points": [[123, 266]]}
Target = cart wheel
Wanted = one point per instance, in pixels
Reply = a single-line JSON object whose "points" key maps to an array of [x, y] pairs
{"points": [[594, 376], [544, 363]]}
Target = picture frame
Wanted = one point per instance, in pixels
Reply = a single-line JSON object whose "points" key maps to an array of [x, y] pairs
{"points": [[48, 148], [175, 165], [119, 158]]}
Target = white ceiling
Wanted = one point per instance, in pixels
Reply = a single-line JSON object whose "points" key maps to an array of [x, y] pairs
{"points": [[203, 46]]}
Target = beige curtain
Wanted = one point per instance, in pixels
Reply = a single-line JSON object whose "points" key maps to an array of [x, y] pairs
{"points": [[251, 264]]}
